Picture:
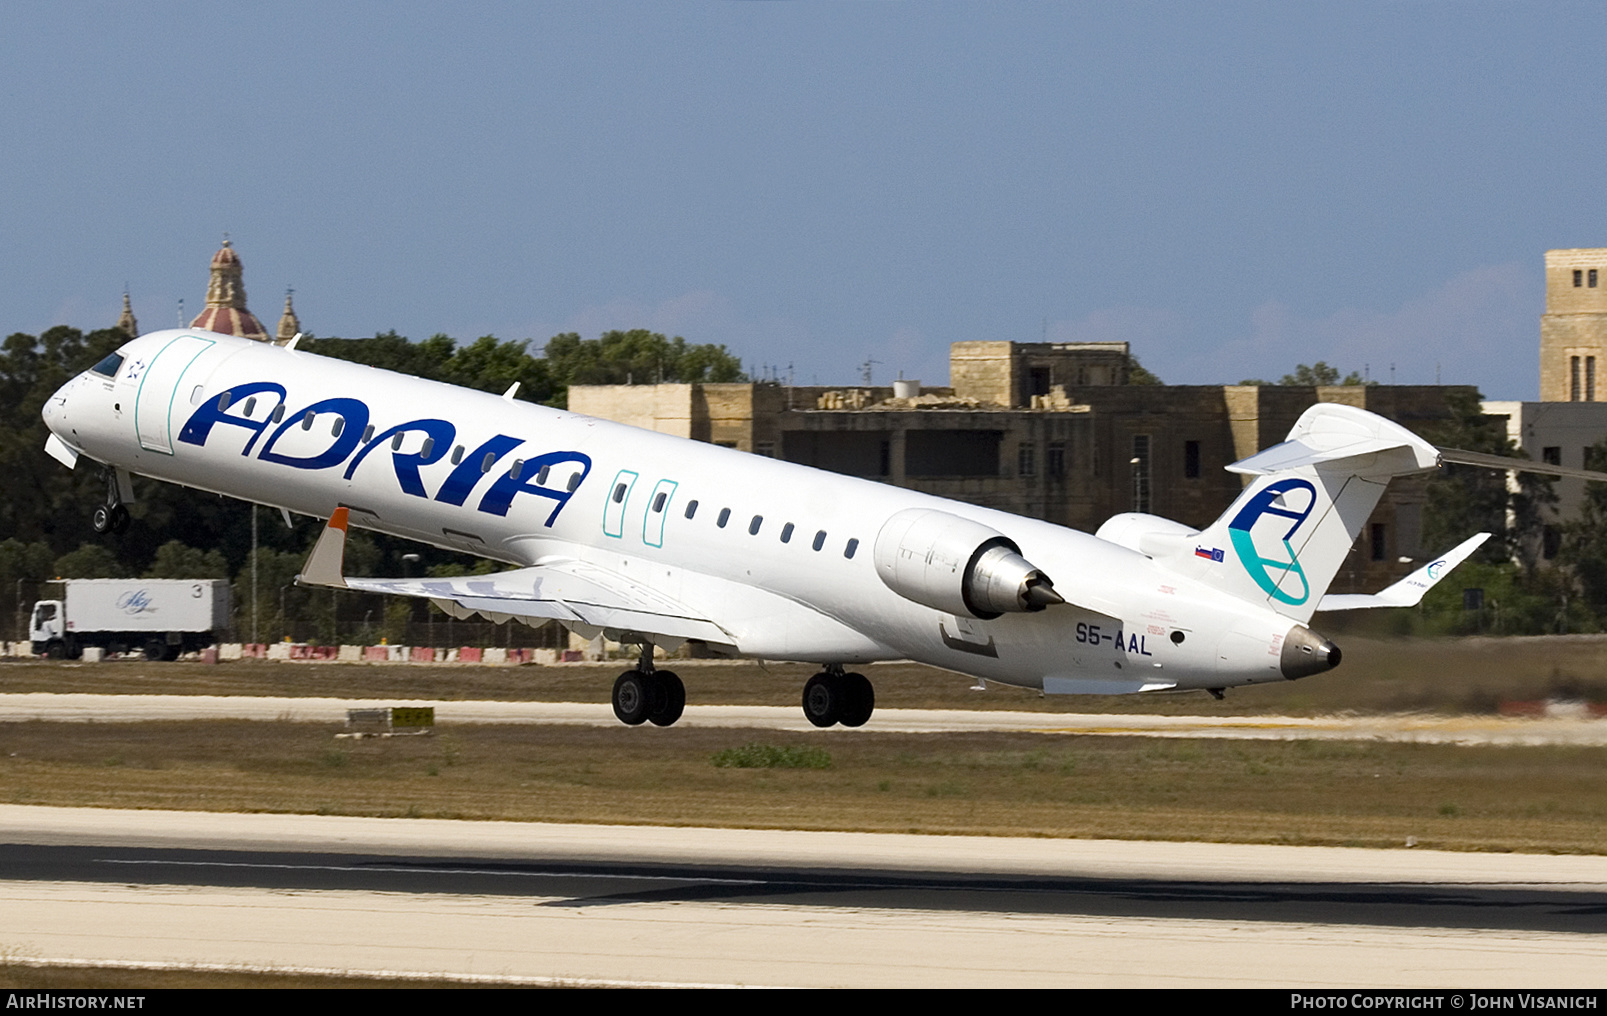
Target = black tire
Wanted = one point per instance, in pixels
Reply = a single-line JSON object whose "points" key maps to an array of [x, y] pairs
{"points": [[55, 650], [101, 518], [823, 699], [156, 650], [859, 700], [633, 697], [669, 698], [120, 520]]}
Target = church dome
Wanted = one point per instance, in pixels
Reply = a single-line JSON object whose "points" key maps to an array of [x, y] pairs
{"points": [[226, 299]]}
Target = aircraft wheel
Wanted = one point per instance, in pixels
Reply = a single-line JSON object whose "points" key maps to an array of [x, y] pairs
{"points": [[156, 650], [859, 700], [632, 697], [669, 698], [120, 520], [823, 699], [101, 518]]}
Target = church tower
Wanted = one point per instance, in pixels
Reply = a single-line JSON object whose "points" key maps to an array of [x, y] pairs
{"points": [[226, 299], [289, 324], [125, 321], [1573, 330]]}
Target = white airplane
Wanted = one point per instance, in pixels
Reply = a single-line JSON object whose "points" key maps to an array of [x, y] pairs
{"points": [[655, 540]]}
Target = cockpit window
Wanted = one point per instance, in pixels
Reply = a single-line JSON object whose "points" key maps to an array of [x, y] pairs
{"points": [[109, 366]]}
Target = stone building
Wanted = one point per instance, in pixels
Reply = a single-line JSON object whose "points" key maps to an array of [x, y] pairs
{"points": [[1573, 330], [225, 310], [1047, 430]]}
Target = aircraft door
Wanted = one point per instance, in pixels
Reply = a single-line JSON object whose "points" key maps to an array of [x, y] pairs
{"points": [[619, 495], [658, 509], [159, 386]]}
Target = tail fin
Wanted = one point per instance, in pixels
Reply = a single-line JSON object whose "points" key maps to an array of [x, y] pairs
{"points": [[1286, 536]]}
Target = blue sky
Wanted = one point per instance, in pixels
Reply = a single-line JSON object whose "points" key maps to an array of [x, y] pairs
{"points": [[1234, 188]]}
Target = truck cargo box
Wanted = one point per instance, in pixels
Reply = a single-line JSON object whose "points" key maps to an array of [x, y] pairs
{"points": [[147, 605]]}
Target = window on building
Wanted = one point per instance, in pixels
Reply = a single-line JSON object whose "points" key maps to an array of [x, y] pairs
{"points": [[1593, 278], [1590, 379], [1057, 459], [1573, 379], [1579, 278], [1140, 465], [1380, 540], [1027, 460], [1191, 460], [1551, 455], [1038, 381]]}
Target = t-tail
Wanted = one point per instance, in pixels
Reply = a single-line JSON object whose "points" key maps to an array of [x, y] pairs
{"points": [[1285, 538]]}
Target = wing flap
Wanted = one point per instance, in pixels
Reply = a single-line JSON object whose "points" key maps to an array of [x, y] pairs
{"points": [[573, 593]]}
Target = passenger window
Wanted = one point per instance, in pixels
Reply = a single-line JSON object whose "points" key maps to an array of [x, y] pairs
{"points": [[338, 426], [848, 551], [691, 509], [658, 502], [786, 533], [457, 455], [278, 412], [753, 527], [429, 446], [574, 481], [820, 539], [223, 402], [306, 421], [485, 463], [518, 467], [541, 477], [251, 405], [725, 516], [368, 431], [619, 493], [396, 442]]}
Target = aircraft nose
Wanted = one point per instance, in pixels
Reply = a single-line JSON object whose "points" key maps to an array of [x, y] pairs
{"points": [[1306, 653]]}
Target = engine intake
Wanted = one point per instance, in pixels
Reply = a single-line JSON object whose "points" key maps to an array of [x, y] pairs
{"points": [[958, 566]]}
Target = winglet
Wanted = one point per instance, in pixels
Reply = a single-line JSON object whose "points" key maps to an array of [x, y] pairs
{"points": [[512, 390], [1408, 592], [324, 564]]}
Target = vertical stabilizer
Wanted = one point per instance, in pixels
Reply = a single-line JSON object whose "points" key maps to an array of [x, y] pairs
{"points": [[1285, 538]]}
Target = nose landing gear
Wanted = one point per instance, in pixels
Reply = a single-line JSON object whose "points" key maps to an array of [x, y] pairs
{"points": [[649, 695], [832, 696], [111, 517]]}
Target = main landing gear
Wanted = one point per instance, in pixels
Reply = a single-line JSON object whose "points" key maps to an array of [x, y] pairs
{"points": [[646, 694], [832, 696], [111, 517]]}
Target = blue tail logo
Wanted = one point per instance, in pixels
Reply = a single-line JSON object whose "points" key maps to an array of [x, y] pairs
{"points": [[1277, 500]]}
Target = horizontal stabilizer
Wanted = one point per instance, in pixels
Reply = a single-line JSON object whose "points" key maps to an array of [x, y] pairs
{"points": [[1502, 462], [1408, 592]]}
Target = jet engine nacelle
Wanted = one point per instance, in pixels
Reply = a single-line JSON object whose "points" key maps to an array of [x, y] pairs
{"points": [[958, 566]]}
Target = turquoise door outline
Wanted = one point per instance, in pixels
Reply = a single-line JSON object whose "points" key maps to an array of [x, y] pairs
{"points": [[653, 519], [618, 498], [153, 402]]}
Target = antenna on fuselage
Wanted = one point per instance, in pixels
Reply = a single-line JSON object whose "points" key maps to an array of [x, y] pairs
{"points": [[511, 389]]}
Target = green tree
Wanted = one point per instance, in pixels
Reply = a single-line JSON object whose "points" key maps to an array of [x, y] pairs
{"points": [[90, 561], [1138, 375], [176, 560]]}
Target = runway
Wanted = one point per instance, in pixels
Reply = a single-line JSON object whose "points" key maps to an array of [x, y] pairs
{"points": [[1421, 728], [574, 904]]}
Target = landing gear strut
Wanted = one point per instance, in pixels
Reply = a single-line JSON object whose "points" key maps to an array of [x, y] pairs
{"points": [[647, 694], [111, 517], [832, 696]]}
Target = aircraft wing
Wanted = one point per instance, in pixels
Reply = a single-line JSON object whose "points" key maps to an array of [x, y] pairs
{"points": [[582, 597], [1408, 592]]}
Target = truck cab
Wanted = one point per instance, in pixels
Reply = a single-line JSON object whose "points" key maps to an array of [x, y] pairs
{"points": [[47, 630]]}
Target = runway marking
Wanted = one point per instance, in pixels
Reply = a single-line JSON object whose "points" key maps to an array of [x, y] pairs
{"points": [[405, 869]]}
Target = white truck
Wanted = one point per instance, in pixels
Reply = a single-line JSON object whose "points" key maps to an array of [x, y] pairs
{"points": [[161, 617]]}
